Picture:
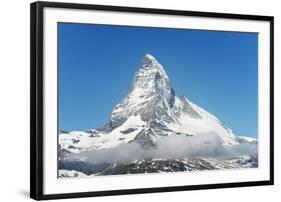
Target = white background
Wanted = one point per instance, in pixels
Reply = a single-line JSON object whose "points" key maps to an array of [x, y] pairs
{"points": [[14, 100]]}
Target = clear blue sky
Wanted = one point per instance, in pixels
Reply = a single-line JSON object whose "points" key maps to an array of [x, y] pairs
{"points": [[216, 70]]}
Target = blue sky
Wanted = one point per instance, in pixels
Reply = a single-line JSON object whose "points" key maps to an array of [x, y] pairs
{"points": [[215, 70]]}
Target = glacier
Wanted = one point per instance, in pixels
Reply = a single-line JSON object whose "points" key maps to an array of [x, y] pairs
{"points": [[153, 129]]}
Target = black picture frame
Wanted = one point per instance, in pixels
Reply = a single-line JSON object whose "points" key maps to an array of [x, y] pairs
{"points": [[36, 98]]}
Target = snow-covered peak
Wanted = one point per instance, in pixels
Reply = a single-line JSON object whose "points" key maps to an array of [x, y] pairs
{"points": [[151, 77], [149, 60], [150, 92], [151, 110], [150, 65]]}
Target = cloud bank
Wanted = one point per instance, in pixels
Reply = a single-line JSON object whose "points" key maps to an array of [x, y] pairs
{"points": [[206, 145]]}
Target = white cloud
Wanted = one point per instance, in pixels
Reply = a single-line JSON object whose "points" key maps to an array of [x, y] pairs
{"points": [[208, 145]]}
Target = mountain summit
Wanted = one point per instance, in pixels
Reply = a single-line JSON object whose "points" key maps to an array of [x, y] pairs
{"points": [[150, 113], [151, 96]]}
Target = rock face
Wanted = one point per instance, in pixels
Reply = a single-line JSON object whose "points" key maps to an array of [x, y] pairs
{"points": [[150, 112], [151, 96], [72, 168]]}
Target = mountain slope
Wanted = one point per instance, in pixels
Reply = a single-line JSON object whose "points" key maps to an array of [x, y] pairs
{"points": [[150, 113]]}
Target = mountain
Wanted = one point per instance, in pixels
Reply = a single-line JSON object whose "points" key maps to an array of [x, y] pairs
{"points": [[150, 113]]}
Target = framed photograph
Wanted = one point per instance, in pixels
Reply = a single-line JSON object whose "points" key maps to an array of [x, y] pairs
{"points": [[131, 100]]}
